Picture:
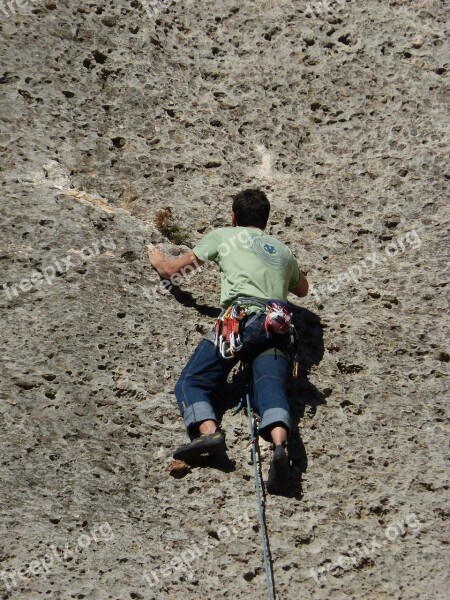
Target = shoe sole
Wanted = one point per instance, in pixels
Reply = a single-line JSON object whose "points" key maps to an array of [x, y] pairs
{"points": [[278, 479], [196, 449]]}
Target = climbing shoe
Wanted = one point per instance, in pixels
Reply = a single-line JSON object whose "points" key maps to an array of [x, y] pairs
{"points": [[206, 443], [278, 479]]}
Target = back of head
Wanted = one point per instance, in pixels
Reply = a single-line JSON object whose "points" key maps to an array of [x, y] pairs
{"points": [[251, 208]]}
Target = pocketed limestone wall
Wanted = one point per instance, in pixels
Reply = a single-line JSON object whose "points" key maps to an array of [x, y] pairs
{"points": [[111, 111]]}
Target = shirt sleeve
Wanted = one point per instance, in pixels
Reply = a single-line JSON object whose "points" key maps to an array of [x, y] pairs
{"points": [[295, 274], [207, 248]]}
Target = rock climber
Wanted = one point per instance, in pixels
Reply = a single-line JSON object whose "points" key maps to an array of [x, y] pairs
{"points": [[257, 272]]}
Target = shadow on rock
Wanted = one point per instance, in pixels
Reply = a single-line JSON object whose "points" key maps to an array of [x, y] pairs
{"points": [[187, 299], [302, 393], [220, 462]]}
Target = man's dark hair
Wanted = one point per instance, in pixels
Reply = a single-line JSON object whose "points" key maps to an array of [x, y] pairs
{"points": [[251, 207]]}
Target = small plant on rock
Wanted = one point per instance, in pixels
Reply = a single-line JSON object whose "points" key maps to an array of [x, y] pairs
{"points": [[165, 223]]}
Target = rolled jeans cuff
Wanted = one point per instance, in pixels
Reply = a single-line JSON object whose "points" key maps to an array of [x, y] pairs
{"points": [[196, 412], [272, 416]]}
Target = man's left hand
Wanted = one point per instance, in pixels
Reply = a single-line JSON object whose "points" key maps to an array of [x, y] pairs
{"points": [[167, 267]]}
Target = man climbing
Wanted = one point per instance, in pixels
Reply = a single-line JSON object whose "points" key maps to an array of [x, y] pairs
{"points": [[257, 272]]}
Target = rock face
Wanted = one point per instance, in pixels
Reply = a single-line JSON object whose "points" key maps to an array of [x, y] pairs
{"points": [[111, 111]]}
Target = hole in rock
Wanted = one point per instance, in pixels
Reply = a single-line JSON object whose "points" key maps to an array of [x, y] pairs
{"points": [[99, 57], [118, 142], [345, 39]]}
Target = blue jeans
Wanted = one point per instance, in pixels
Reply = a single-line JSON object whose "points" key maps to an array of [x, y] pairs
{"points": [[206, 370]]}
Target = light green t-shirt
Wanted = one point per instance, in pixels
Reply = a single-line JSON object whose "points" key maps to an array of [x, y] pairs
{"points": [[251, 263]]}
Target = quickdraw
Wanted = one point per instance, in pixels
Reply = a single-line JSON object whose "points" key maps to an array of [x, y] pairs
{"points": [[228, 334]]}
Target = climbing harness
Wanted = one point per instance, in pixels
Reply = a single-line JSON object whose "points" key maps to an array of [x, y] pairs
{"points": [[260, 495], [228, 330]]}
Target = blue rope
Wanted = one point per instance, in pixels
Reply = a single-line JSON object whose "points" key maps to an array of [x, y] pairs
{"points": [[261, 503]]}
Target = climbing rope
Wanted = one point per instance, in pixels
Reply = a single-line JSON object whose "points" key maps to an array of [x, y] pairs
{"points": [[260, 496]]}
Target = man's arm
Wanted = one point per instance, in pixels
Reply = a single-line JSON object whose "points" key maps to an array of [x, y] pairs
{"points": [[301, 289], [167, 267]]}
